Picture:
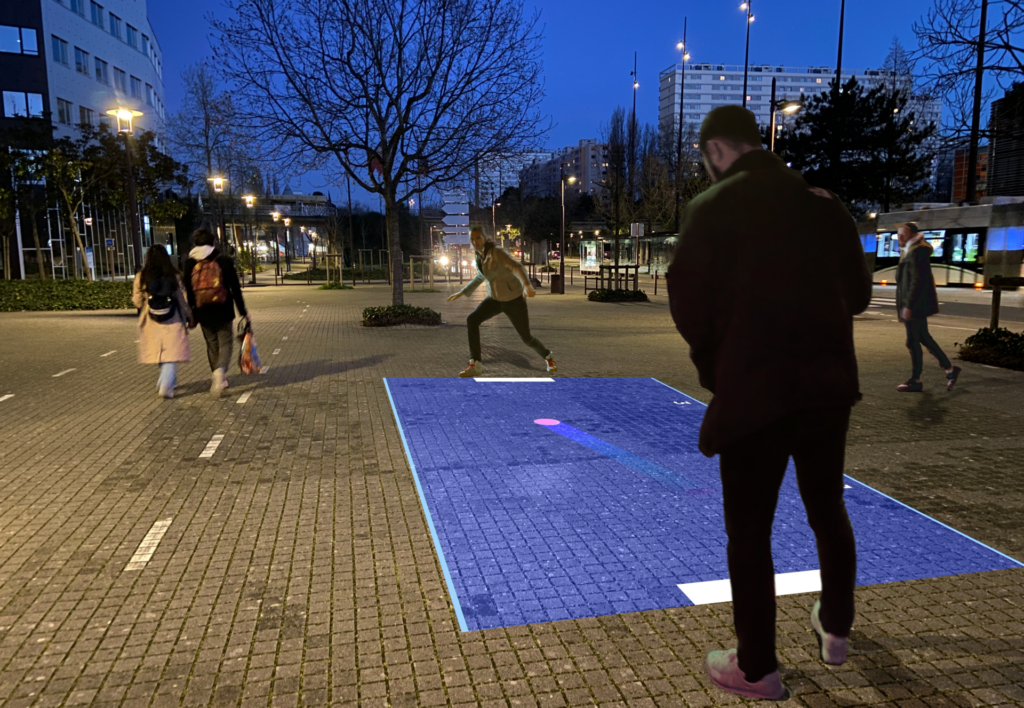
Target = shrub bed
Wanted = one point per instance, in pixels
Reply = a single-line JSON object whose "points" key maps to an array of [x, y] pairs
{"points": [[999, 347], [399, 314], [616, 295], [36, 295], [334, 286]]}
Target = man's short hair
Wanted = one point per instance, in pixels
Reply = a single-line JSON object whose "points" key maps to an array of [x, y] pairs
{"points": [[912, 227], [476, 229], [203, 237], [733, 124]]}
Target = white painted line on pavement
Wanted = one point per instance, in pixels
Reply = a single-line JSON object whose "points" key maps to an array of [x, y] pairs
{"points": [[284, 339], [530, 380], [847, 486], [211, 447], [244, 397], [265, 369], [712, 591], [965, 329], [148, 546], [66, 371], [108, 353], [277, 351], [5, 397]]}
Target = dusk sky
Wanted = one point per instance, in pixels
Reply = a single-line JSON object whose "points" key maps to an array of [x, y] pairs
{"points": [[588, 46]]}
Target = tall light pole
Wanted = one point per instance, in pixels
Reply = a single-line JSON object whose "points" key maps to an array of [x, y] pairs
{"points": [[632, 143], [494, 227], [837, 162], [561, 252], [746, 57], [250, 202], [979, 74], [125, 118], [275, 215], [679, 141], [785, 107]]}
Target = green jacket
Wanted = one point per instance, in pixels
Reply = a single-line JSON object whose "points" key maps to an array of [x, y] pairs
{"points": [[505, 276]]}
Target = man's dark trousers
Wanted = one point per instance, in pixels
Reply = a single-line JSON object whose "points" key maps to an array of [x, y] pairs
{"points": [[517, 313], [752, 473], [917, 335]]}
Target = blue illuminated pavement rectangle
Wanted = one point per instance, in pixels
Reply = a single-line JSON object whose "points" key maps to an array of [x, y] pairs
{"points": [[575, 498]]}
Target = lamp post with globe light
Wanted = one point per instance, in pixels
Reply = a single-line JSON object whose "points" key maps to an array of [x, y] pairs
{"points": [[746, 57], [125, 117], [250, 202], [276, 215]]}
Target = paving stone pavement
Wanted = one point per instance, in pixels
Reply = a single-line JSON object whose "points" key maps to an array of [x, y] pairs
{"points": [[297, 567]]}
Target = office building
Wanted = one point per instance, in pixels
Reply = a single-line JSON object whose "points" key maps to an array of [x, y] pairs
{"points": [[587, 162], [1006, 144], [960, 172], [76, 59]]}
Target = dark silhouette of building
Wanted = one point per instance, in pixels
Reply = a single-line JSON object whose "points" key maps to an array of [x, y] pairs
{"points": [[1006, 125], [960, 173]]}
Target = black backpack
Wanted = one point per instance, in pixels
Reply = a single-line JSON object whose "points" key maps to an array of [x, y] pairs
{"points": [[161, 300]]}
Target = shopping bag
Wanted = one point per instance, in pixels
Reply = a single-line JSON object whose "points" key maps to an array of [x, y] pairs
{"points": [[248, 357]]}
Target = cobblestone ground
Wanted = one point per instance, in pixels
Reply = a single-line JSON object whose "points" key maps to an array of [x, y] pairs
{"points": [[297, 567]]}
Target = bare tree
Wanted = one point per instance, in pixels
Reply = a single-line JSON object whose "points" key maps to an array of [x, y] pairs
{"points": [[657, 190], [613, 202], [381, 89], [202, 131]]}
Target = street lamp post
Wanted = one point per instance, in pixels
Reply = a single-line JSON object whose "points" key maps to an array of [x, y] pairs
{"points": [[250, 201], [561, 251], [632, 137], [125, 118], [679, 142], [275, 215], [494, 228], [746, 57], [785, 107]]}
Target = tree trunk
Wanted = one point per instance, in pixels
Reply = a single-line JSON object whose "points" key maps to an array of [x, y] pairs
{"points": [[78, 243], [394, 250], [39, 248]]}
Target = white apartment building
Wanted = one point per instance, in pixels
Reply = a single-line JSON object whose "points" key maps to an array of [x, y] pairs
{"points": [[587, 162], [708, 86], [77, 59]]}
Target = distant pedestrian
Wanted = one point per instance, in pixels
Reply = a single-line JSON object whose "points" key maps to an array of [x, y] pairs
{"points": [[507, 282], [214, 292], [764, 285], [916, 301], [164, 317]]}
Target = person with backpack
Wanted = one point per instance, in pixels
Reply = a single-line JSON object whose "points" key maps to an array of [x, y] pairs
{"points": [[164, 312], [214, 293]]}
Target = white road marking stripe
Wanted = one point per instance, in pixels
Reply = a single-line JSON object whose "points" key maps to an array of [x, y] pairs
{"points": [[108, 353], [847, 486], [244, 397], [148, 546], [965, 329], [713, 591], [530, 380], [277, 351], [211, 447], [5, 397], [265, 369], [66, 371], [284, 339]]}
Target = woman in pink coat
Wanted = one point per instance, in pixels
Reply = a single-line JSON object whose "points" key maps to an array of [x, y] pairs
{"points": [[164, 317]]}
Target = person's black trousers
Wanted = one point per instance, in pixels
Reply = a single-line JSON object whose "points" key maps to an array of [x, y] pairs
{"points": [[917, 335], [516, 312], [218, 345], [752, 472]]}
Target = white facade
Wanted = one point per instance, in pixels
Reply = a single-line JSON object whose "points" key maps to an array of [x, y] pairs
{"points": [[711, 85], [115, 73]]}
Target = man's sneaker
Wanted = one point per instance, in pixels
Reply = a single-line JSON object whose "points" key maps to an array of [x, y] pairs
{"points": [[474, 369], [218, 382], [833, 648], [910, 386], [725, 672], [552, 367], [951, 378]]}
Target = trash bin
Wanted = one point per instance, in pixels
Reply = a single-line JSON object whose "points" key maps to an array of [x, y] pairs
{"points": [[556, 283]]}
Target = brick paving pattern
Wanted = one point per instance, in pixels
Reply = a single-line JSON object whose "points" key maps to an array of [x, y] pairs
{"points": [[298, 568]]}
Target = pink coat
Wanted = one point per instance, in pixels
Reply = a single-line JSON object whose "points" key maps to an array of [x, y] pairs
{"points": [[162, 342]]}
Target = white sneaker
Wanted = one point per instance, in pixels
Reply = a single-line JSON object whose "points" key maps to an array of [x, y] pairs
{"points": [[166, 392], [725, 672], [833, 648], [550, 362], [218, 382], [474, 369]]}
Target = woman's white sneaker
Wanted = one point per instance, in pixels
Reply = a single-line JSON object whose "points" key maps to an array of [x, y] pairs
{"points": [[833, 648], [474, 369]]}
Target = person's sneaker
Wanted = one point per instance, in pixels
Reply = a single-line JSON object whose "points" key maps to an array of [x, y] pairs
{"points": [[725, 673], [218, 382], [833, 648], [951, 378], [910, 386], [167, 392], [474, 369], [552, 366]]}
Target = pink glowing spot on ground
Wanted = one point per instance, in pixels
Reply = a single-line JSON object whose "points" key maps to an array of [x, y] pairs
{"points": [[546, 421]]}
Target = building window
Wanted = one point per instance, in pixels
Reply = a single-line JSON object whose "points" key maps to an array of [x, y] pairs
{"points": [[102, 73], [131, 36], [149, 94], [145, 45], [81, 61], [18, 40], [97, 14], [60, 49], [136, 87], [78, 6], [18, 104], [115, 25], [120, 80], [63, 111], [85, 116]]}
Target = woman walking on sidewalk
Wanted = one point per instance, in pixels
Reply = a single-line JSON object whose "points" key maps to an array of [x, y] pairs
{"points": [[507, 282], [159, 294]]}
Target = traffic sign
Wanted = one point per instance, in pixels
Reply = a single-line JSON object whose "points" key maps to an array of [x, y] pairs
{"points": [[456, 220], [110, 243]]}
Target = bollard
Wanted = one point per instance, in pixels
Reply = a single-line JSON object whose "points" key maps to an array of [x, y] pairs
{"points": [[995, 282]]}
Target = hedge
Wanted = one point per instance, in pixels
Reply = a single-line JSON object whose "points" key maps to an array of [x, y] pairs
{"points": [[20, 295], [334, 286], [399, 314], [610, 295], [998, 347]]}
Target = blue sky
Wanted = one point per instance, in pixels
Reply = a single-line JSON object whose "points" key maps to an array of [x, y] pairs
{"points": [[588, 46]]}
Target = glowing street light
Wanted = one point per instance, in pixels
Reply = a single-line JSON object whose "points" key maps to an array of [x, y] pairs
{"points": [[275, 215], [746, 58], [249, 200], [218, 183], [787, 107], [125, 117]]}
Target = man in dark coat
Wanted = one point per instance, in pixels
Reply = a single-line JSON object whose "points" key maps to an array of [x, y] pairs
{"points": [[916, 301], [763, 287], [214, 306]]}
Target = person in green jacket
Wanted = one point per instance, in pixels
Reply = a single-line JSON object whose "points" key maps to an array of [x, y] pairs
{"points": [[507, 283]]}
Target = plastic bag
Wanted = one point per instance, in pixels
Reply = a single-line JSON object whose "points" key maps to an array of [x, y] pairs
{"points": [[248, 357]]}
